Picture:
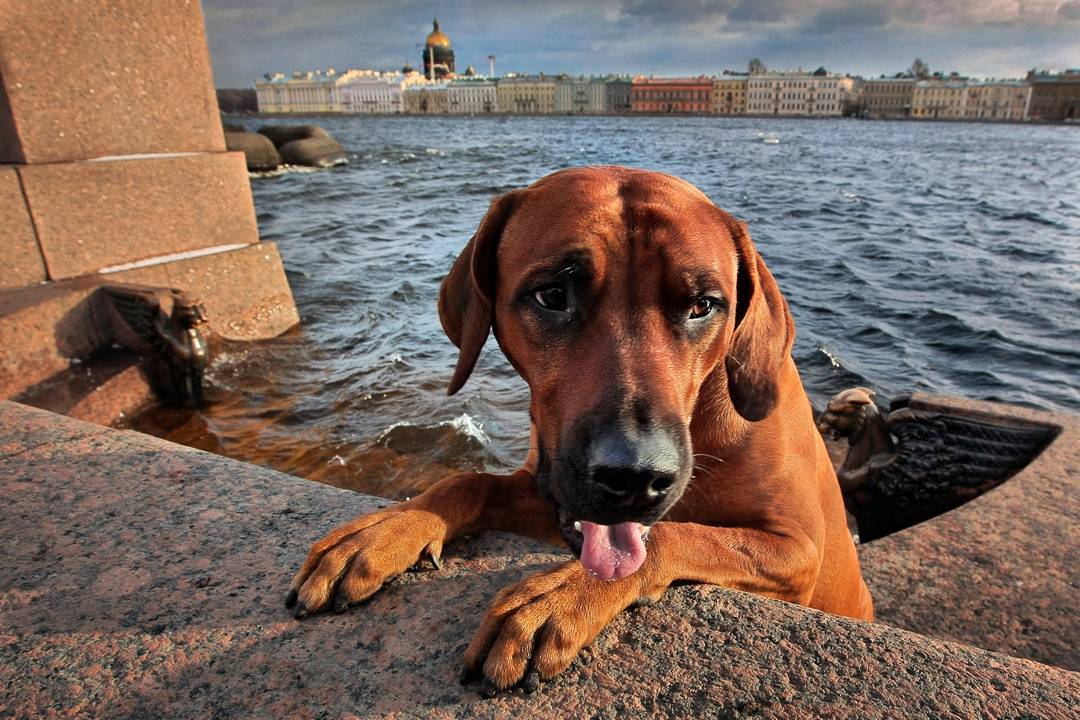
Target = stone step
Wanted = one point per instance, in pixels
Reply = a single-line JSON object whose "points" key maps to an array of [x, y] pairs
{"points": [[106, 389], [43, 328]]}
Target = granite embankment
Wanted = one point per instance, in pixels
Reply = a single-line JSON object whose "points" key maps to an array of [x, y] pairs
{"points": [[144, 579]]}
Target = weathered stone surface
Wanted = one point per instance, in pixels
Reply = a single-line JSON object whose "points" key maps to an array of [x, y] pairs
{"points": [[284, 134], [245, 291], [1000, 572], [104, 390], [143, 579], [91, 78], [259, 153], [22, 258], [313, 152], [92, 215], [43, 328]]}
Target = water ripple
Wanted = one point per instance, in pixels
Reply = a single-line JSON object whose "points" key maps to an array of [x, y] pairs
{"points": [[936, 257]]}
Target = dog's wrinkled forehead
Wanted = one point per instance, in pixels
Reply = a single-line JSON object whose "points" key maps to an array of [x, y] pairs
{"points": [[604, 208]]}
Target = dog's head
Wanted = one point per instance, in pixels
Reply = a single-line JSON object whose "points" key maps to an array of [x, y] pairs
{"points": [[618, 295]]}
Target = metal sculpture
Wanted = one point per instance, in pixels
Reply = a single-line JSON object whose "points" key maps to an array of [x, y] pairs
{"points": [[167, 328], [910, 464]]}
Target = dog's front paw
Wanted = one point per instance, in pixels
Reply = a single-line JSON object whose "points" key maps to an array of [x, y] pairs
{"points": [[351, 563], [537, 626]]}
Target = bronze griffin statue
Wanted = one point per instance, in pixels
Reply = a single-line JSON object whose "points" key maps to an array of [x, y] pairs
{"points": [[914, 461], [167, 328]]}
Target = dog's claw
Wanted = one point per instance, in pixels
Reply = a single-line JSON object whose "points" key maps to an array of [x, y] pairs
{"points": [[300, 612], [488, 689], [531, 683], [341, 603], [433, 558], [290, 599], [467, 675]]}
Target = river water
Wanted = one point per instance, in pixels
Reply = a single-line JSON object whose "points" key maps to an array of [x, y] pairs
{"points": [[915, 256]]}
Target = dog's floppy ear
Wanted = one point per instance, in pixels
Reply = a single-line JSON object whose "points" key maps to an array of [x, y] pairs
{"points": [[467, 294], [764, 332]]}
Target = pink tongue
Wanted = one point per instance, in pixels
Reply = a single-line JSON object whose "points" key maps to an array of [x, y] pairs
{"points": [[611, 552]]}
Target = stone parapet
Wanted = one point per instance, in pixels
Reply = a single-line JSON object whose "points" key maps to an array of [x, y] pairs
{"points": [[94, 215], [82, 79], [143, 579]]}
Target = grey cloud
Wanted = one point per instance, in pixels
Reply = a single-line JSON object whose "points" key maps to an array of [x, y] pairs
{"points": [[859, 17], [1070, 10], [251, 37]]}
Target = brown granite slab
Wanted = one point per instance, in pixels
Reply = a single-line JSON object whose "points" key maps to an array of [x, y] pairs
{"points": [[142, 579], [246, 292], [22, 257], [1001, 572], [94, 215], [45, 327], [87, 78]]}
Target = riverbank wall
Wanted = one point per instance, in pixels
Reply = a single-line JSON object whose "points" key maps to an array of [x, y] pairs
{"points": [[113, 169], [146, 579]]}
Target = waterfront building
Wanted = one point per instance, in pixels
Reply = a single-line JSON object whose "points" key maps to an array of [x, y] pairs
{"points": [[472, 96], [579, 96], [1054, 96], [817, 94], [438, 60], [370, 92], [526, 94], [729, 94], [939, 99], [671, 95], [998, 100], [886, 97], [302, 92], [617, 93], [430, 98]]}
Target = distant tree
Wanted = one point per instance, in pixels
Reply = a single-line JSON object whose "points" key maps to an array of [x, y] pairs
{"points": [[237, 100], [757, 67], [919, 68]]}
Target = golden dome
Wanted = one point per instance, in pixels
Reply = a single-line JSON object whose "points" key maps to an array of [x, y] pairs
{"points": [[437, 38]]}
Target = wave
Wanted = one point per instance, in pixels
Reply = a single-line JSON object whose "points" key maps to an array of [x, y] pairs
{"points": [[447, 441]]}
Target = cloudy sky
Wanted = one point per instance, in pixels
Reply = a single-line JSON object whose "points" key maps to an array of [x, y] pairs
{"points": [[982, 38]]}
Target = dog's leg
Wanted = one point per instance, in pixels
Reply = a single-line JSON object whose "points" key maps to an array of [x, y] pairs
{"points": [[352, 562], [539, 624]]}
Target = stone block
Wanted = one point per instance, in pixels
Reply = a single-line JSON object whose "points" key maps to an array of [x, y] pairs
{"points": [[92, 215], [245, 291], [92, 78], [18, 242], [107, 389], [45, 327]]}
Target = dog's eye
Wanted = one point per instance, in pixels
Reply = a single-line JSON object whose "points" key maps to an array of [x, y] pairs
{"points": [[552, 297], [702, 307]]}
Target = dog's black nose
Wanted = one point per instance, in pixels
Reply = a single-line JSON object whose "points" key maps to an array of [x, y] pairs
{"points": [[634, 471]]}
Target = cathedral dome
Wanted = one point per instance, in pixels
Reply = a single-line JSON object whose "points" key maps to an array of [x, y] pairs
{"points": [[438, 56], [437, 38]]}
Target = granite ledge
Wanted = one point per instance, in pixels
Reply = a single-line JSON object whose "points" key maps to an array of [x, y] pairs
{"points": [[144, 579]]}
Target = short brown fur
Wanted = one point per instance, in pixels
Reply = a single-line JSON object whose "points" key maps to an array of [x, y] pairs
{"points": [[763, 513]]}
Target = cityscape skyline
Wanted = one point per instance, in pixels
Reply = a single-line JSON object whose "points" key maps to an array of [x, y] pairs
{"points": [[692, 37]]}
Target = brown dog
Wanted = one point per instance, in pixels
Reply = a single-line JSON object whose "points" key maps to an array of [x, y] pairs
{"points": [[672, 439]]}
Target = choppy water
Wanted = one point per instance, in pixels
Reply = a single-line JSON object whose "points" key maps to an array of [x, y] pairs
{"points": [[941, 257]]}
